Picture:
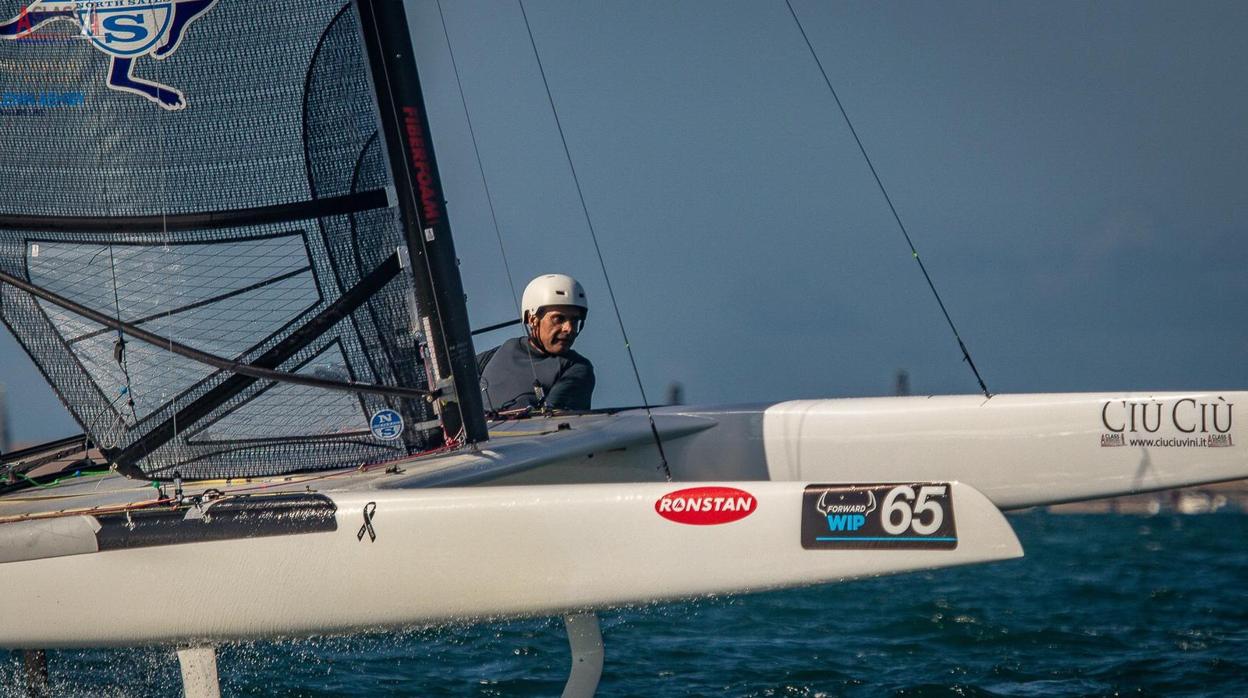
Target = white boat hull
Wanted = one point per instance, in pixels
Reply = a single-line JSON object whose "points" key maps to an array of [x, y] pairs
{"points": [[1019, 450], [538, 540], [452, 554]]}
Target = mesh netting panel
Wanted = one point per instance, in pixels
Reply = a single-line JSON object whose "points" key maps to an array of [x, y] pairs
{"points": [[132, 132], [75, 144]]}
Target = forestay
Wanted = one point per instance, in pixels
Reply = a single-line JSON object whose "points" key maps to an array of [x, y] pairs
{"points": [[210, 173]]}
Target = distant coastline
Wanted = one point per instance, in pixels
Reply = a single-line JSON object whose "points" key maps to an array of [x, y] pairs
{"points": [[1227, 497]]}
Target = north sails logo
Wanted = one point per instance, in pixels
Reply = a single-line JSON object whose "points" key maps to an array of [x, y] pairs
{"points": [[123, 29]]}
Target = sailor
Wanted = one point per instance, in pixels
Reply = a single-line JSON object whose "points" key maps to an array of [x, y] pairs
{"points": [[540, 369]]}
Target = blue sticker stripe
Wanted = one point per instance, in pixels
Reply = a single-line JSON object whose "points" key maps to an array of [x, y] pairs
{"points": [[918, 538]]}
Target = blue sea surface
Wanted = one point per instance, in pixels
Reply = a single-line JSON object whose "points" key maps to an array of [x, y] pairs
{"points": [[1101, 605]]}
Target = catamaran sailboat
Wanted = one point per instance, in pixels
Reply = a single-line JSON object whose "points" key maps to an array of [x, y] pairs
{"points": [[223, 241]]}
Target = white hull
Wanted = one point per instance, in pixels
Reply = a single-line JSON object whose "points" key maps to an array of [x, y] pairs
{"points": [[451, 554], [530, 542], [1019, 450]]}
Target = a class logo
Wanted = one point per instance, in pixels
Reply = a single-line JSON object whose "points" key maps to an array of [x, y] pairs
{"points": [[123, 29]]}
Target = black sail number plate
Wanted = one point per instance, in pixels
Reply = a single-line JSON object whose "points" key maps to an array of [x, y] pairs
{"points": [[900, 515]]}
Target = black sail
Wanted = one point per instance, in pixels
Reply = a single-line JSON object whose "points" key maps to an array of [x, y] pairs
{"points": [[211, 174]]}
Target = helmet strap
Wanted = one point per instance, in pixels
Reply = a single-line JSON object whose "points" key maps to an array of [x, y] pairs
{"points": [[535, 337]]}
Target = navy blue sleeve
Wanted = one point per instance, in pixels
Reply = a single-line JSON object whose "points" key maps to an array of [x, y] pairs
{"points": [[575, 387], [484, 358]]}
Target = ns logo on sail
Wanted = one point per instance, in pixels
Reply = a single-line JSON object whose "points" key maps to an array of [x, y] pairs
{"points": [[123, 29]]}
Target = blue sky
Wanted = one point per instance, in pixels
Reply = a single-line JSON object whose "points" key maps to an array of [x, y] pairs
{"points": [[1073, 175]]}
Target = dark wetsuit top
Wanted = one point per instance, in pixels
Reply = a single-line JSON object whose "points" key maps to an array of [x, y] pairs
{"points": [[507, 377]]}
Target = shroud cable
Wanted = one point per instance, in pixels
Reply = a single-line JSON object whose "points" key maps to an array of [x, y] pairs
{"points": [[966, 354], [658, 441]]}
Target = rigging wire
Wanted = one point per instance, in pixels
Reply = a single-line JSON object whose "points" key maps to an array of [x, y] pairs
{"points": [[658, 441], [489, 198], [112, 437], [966, 354], [179, 445], [119, 349]]}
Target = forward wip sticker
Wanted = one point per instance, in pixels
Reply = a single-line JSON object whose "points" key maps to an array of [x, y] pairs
{"points": [[912, 515], [706, 506]]}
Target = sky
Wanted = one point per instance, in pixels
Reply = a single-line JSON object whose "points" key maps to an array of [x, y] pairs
{"points": [[1072, 174]]}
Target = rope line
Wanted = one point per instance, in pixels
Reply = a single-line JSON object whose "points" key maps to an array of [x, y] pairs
{"points": [[966, 354], [119, 349], [489, 198], [658, 441]]}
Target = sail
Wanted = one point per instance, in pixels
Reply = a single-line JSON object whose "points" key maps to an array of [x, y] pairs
{"points": [[207, 178]]}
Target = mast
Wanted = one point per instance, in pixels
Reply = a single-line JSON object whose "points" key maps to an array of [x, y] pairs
{"points": [[438, 288]]}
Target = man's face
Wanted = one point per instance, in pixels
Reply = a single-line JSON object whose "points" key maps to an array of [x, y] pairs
{"points": [[556, 326]]}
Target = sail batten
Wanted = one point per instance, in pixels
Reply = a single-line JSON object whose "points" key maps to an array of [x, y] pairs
{"points": [[275, 213]]}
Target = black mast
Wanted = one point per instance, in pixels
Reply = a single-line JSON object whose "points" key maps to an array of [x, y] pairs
{"points": [[435, 268]]}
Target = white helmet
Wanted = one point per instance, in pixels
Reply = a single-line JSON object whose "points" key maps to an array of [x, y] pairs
{"points": [[552, 289]]}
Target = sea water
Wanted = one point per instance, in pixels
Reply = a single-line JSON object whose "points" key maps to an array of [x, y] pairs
{"points": [[1101, 605]]}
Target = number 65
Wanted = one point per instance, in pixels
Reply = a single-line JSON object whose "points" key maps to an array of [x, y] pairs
{"points": [[898, 514]]}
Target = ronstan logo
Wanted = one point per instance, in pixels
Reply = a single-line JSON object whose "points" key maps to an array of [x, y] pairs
{"points": [[706, 506]]}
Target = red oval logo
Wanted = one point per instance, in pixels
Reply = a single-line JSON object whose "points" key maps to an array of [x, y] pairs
{"points": [[706, 506]]}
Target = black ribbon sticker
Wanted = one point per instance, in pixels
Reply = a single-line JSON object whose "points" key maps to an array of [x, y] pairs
{"points": [[369, 510]]}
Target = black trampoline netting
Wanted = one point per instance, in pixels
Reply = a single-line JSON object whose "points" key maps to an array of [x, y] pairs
{"points": [[211, 173]]}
